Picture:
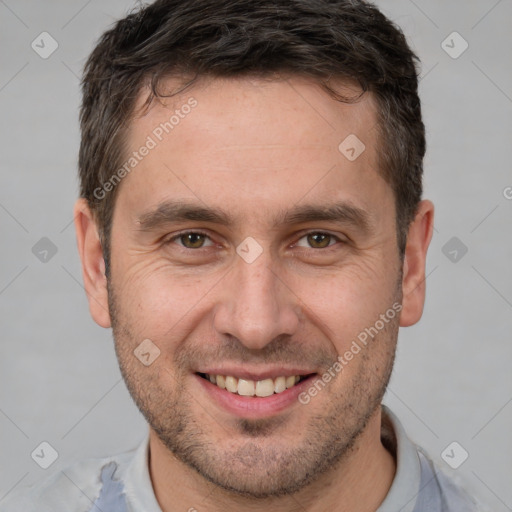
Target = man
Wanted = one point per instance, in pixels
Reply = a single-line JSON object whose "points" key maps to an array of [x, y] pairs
{"points": [[251, 227]]}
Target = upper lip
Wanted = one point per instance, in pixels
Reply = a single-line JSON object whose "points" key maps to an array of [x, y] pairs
{"points": [[254, 374]]}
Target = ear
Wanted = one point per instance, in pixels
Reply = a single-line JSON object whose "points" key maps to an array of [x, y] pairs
{"points": [[93, 264], [413, 280]]}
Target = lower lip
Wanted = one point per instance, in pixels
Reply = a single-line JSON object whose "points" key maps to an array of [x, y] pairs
{"points": [[253, 407]]}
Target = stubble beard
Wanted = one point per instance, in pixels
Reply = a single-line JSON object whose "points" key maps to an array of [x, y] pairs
{"points": [[256, 466]]}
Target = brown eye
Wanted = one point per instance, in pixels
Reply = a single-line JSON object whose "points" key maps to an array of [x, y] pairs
{"points": [[319, 240], [192, 240]]}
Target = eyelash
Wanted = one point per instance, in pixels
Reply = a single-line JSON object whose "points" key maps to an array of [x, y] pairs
{"points": [[199, 232]]}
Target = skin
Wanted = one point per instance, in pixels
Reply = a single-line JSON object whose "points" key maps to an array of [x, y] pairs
{"points": [[255, 148]]}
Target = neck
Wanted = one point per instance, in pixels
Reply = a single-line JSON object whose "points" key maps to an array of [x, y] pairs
{"points": [[360, 481]]}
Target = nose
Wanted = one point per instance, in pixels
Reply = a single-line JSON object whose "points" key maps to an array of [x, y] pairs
{"points": [[255, 305]]}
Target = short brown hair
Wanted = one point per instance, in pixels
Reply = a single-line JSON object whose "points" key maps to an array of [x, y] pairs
{"points": [[321, 39]]}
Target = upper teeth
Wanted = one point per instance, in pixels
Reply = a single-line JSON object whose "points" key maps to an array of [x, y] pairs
{"points": [[260, 388]]}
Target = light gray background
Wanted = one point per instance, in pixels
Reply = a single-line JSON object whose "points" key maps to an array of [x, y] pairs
{"points": [[59, 377]]}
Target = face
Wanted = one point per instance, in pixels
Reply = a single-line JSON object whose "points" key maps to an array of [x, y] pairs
{"points": [[224, 257]]}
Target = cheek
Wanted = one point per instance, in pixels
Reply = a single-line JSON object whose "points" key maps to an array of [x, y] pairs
{"points": [[159, 304], [343, 304]]}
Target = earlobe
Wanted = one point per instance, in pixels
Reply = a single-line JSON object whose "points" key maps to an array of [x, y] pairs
{"points": [[93, 264], [413, 279]]}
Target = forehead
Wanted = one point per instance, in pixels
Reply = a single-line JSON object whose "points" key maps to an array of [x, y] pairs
{"points": [[248, 142], [228, 107]]}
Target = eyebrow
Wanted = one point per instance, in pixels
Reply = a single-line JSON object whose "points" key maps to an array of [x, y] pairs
{"points": [[172, 211]]}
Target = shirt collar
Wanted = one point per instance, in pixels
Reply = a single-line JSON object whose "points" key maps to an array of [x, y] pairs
{"points": [[138, 486], [404, 490]]}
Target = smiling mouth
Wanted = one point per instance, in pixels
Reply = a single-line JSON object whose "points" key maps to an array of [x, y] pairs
{"points": [[260, 388]]}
